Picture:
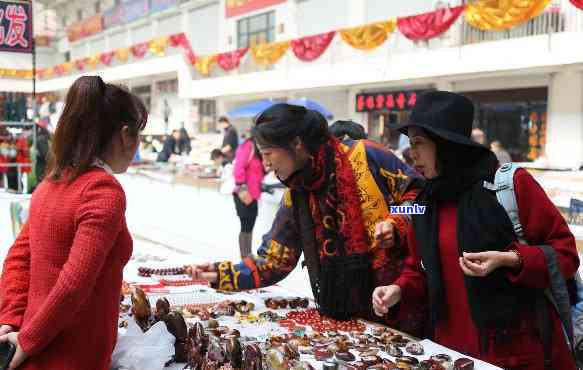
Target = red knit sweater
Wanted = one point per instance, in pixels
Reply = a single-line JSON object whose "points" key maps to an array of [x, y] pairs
{"points": [[62, 276]]}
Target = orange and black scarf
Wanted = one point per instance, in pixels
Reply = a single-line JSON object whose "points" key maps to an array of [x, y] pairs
{"points": [[328, 186]]}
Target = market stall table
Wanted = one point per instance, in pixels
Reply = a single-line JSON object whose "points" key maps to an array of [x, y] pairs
{"points": [[261, 330]]}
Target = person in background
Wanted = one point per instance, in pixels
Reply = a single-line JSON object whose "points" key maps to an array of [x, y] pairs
{"points": [[501, 153], [41, 150], [485, 288], [335, 212], [184, 144], [219, 158], [230, 138], [249, 172], [479, 136], [166, 113], [343, 130], [171, 147], [62, 276]]}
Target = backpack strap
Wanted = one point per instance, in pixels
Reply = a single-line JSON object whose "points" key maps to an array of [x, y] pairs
{"points": [[504, 183]]}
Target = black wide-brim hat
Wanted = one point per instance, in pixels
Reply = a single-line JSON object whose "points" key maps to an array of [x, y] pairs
{"points": [[444, 114]]}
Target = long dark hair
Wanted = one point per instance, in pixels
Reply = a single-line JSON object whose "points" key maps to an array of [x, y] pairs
{"points": [[341, 129], [94, 111], [280, 124]]}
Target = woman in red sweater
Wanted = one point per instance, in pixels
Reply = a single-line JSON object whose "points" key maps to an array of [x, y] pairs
{"points": [[484, 287], [62, 276]]}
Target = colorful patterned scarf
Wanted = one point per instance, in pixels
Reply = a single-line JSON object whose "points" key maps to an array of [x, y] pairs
{"points": [[335, 207]]}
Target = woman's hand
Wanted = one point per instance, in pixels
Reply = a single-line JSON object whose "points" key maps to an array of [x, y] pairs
{"points": [[19, 356], [204, 271], [483, 263], [385, 234], [5, 329], [245, 197], [385, 297]]}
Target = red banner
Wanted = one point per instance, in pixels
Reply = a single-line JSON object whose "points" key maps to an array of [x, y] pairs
{"points": [[238, 7], [578, 3], [80, 64], [428, 25], [310, 48], [106, 58], [140, 50], [231, 60]]}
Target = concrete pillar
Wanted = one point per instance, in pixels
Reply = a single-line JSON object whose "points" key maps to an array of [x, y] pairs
{"points": [[565, 120], [289, 18], [356, 13]]}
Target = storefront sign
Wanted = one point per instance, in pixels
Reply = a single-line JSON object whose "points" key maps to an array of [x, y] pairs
{"points": [[85, 28], [393, 101], [135, 9], [113, 17], [125, 13], [160, 5], [238, 7], [16, 26]]}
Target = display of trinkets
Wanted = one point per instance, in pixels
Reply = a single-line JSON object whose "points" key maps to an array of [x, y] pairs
{"points": [[148, 272], [321, 323], [141, 309], [212, 345], [416, 349], [281, 303], [463, 364]]}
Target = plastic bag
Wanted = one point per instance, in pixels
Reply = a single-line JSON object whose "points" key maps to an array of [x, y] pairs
{"points": [[136, 350]]}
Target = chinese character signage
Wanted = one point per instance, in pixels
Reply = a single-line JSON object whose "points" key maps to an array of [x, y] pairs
{"points": [[392, 101], [16, 26], [240, 7]]}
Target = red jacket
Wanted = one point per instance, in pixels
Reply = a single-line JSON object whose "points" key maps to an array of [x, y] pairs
{"points": [[62, 277], [249, 169], [522, 349]]}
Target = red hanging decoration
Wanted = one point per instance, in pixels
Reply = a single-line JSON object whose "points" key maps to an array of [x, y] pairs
{"points": [[80, 64], [178, 40], [428, 25], [578, 3], [310, 48], [106, 58], [59, 70], [231, 60], [140, 50]]}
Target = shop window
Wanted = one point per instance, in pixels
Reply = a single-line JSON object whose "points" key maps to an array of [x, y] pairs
{"points": [[257, 29], [144, 93]]}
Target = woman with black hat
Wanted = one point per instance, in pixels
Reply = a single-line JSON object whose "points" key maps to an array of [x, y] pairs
{"points": [[335, 213], [483, 286]]}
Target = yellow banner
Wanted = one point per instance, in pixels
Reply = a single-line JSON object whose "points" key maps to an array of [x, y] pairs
{"points": [[268, 54], [497, 15], [370, 36]]}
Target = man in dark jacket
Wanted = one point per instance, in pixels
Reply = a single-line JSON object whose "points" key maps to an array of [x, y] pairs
{"points": [[230, 139]]}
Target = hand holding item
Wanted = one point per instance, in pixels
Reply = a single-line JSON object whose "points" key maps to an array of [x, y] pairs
{"points": [[385, 297], [245, 197], [484, 263], [385, 234], [19, 355], [5, 329], [205, 271]]}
